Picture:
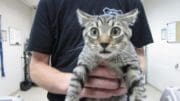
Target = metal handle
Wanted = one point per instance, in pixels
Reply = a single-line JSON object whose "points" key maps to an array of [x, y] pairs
{"points": [[176, 66]]}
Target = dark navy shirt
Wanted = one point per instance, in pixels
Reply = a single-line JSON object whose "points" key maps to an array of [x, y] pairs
{"points": [[56, 30]]}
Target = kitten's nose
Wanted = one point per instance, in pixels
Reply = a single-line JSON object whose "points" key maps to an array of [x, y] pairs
{"points": [[104, 45]]}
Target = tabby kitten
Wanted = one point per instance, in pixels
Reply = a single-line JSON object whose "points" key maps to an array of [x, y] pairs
{"points": [[107, 40]]}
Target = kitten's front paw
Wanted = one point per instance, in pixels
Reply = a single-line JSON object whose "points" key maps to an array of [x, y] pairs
{"points": [[139, 94], [133, 98]]}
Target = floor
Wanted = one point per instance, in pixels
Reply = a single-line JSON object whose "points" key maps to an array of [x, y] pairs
{"points": [[39, 94]]}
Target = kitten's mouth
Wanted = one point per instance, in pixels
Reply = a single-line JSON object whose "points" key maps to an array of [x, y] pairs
{"points": [[105, 52]]}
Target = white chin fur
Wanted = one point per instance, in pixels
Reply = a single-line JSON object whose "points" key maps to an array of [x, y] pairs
{"points": [[105, 55]]}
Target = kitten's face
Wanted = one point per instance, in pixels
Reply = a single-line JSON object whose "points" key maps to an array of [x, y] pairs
{"points": [[106, 35]]}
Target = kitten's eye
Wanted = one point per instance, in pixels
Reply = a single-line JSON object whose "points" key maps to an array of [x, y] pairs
{"points": [[94, 31], [115, 31]]}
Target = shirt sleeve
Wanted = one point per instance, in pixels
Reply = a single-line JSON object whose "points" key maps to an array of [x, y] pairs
{"points": [[141, 31], [41, 38]]}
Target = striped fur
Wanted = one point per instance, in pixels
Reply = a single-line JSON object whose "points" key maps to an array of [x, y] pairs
{"points": [[107, 40]]}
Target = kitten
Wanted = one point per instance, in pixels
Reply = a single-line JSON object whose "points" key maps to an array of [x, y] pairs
{"points": [[107, 40]]}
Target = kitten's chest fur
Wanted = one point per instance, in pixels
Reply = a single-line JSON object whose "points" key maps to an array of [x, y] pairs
{"points": [[115, 62]]}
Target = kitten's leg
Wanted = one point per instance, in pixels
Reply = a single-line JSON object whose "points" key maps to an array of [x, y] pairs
{"points": [[135, 81], [80, 75]]}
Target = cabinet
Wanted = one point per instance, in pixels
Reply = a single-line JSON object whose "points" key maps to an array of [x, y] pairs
{"points": [[163, 64]]}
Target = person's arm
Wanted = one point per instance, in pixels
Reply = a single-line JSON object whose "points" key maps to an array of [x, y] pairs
{"points": [[46, 76], [141, 54], [57, 82]]}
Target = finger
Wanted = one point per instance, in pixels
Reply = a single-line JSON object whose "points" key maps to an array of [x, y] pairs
{"points": [[102, 83], [101, 93], [120, 91], [104, 72], [95, 93]]}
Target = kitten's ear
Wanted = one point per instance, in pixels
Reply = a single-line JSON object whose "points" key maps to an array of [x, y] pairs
{"points": [[130, 17], [83, 17]]}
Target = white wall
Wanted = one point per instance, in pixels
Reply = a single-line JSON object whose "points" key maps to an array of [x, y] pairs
{"points": [[14, 14], [162, 56]]}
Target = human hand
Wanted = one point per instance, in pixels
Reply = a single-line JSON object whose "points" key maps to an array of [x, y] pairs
{"points": [[103, 83]]}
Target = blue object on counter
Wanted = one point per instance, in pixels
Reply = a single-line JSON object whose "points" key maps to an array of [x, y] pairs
{"points": [[171, 94]]}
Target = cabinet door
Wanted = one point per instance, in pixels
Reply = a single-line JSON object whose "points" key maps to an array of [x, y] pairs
{"points": [[163, 64]]}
